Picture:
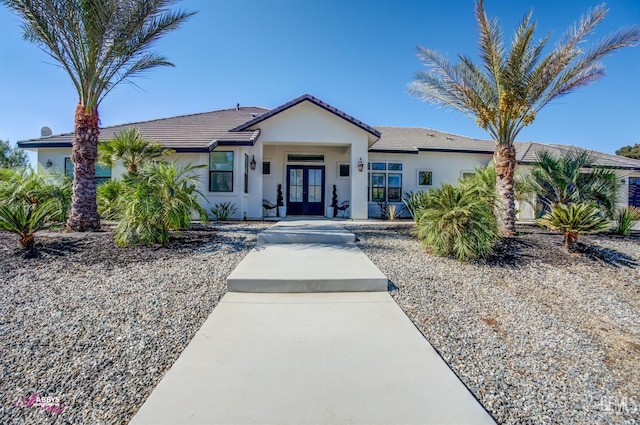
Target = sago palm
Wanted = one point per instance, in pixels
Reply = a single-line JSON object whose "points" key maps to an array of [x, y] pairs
{"points": [[574, 219], [99, 43], [25, 219], [505, 91], [131, 149]]}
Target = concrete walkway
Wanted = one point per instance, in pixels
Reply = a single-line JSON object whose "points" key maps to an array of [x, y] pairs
{"points": [[310, 358]]}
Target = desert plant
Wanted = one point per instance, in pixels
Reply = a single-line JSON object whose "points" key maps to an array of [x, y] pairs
{"points": [[108, 196], [454, 220], [625, 219], [392, 212], [571, 177], [574, 219], [334, 201], [414, 201], [512, 84], [223, 210], [100, 44], [130, 149], [25, 219], [161, 198]]}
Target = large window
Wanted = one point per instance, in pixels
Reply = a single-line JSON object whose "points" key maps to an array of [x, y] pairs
{"points": [[103, 174], [385, 182], [221, 171], [246, 173]]}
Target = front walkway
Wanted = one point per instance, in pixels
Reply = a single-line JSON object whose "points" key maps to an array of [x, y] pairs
{"points": [[309, 358]]}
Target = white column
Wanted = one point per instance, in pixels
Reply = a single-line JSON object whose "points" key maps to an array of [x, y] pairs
{"points": [[358, 202]]}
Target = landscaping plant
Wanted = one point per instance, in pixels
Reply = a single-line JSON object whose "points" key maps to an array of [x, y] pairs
{"points": [[100, 44], [130, 149], [512, 83], [626, 218], [279, 200], [25, 219], [334, 201], [414, 201], [455, 221], [574, 219], [223, 210], [109, 198], [161, 198]]}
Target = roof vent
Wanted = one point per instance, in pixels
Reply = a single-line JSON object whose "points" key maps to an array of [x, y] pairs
{"points": [[237, 106], [449, 138], [431, 135], [45, 131], [253, 115]]}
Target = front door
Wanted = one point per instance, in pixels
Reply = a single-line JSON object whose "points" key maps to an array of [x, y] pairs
{"points": [[305, 188]]}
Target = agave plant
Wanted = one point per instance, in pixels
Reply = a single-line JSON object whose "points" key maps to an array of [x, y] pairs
{"points": [[455, 221], [223, 210], [625, 219], [25, 219], [161, 198], [574, 219]]}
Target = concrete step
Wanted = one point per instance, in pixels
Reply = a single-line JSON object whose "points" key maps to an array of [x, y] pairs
{"points": [[296, 267], [305, 232]]}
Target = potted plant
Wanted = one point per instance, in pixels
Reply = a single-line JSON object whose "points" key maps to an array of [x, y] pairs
{"points": [[334, 202], [282, 210]]}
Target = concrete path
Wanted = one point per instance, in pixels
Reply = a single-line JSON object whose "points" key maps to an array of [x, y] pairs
{"points": [[310, 358]]}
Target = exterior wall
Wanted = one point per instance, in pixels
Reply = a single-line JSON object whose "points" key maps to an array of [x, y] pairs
{"points": [[447, 167]]}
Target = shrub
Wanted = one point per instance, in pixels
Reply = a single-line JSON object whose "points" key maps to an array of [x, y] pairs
{"points": [[161, 198], [455, 221], [25, 219], [224, 210], [27, 186], [626, 218], [414, 201], [573, 219], [108, 198]]}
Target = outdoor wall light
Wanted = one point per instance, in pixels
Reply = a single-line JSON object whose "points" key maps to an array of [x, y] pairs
{"points": [[360, 165], [48, 164], [252, 164]]}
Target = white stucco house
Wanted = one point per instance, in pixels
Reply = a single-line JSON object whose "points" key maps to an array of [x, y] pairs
{"points": [[308, 146]]}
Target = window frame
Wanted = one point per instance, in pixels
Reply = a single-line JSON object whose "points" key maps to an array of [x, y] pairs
{"points": [[99, 179], [246, 173], [382, 169], [419, 180], [339, 170], [231, 172]]}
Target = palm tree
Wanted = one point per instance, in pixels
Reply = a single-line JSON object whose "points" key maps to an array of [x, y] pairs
{"points": [[506, 90], [131, 149], [99, 43]]}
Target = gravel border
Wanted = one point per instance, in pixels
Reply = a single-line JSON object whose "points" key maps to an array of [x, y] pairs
{"points": [[97, 326], [537, 335]]}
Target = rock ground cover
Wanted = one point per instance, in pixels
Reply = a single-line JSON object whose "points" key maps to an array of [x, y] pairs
{"points": [[539, 336], [97, 326]]}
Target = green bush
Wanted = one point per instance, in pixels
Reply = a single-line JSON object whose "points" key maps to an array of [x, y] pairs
{"points": [[159, 199], [455, 221], [224, 210], [108, 198], [25, 219], [573, 219], [414, 201], [626, 218]]}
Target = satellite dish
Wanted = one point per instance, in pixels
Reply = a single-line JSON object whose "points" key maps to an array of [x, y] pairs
{"points": [[45, 132]]}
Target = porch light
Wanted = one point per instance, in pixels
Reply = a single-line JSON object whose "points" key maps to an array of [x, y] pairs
{"points": [[252, 164], [48, 164], [360, 165]]}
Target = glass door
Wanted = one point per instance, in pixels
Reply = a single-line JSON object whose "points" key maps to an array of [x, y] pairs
{"points": [[305, 189]]}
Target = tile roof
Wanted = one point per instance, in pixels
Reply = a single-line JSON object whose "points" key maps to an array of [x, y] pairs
{"points": [[527, 153], [414, 140], [195, 132]]}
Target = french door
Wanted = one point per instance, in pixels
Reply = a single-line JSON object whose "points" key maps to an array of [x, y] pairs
{"points": [[305, 190]]}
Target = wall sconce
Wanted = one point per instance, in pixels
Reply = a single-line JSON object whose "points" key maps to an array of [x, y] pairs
{"points": [[252, 164], [48, 164], [360, 165]]}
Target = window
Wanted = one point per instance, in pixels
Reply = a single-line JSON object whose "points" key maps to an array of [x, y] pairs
{"points": [[466, 174], [425, 178], [103, 174], [246, 173], [343, 170], [385, 183], [293, 157], [266, 168], [221, 171]]}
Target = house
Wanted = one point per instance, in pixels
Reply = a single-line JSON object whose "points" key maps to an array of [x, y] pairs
{"points": [[308, 146]]}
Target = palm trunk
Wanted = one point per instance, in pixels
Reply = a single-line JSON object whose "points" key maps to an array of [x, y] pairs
{"points": [[570, 239], [504, 160], [84, 209]]}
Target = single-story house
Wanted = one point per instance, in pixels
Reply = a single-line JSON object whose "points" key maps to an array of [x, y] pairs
{"points": [[308, 147]]}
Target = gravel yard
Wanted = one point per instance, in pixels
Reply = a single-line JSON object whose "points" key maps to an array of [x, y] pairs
{"points": [[539, 336], [97, 326]]}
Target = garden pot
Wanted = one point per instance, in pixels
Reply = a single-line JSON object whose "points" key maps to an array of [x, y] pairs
{"points": [[329, 212], [282, 211]]}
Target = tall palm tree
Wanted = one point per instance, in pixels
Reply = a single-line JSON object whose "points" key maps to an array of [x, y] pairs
{"points": [[131, 149], [510, 85], [99, 43]]}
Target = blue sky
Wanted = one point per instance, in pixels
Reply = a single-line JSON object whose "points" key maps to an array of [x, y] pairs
{"points": [[357, 55]]}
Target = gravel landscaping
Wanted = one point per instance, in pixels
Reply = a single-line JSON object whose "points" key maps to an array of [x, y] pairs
{"points": [[96, 327], [538, 335]]}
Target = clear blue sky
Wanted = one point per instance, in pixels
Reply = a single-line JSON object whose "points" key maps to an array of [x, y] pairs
{"points": [[357, 55]]}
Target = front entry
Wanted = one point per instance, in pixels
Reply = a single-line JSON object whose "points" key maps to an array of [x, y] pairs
{"points": [[305, 188]]}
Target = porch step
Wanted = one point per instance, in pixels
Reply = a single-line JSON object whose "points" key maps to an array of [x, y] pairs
{"points": [[311, 267], [305, 232]]}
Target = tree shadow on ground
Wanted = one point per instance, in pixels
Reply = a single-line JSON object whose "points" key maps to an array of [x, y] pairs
{"points": [[607, 256]]}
